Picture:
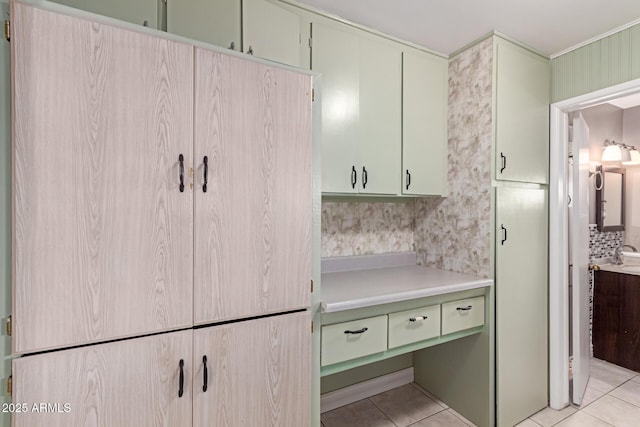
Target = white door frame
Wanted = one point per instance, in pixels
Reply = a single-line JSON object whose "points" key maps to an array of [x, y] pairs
{"points": [[558, 234]]}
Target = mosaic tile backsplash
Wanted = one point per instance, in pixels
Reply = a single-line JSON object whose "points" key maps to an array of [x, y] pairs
{"points": [[603, 244]]}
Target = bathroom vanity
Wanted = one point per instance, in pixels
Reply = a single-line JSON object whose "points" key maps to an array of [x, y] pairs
{"points": [[616, 315]]}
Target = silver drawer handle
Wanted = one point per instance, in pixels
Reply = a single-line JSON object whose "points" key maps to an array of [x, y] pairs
{"points": [[359, 331], [467, 308], [415, 319]]}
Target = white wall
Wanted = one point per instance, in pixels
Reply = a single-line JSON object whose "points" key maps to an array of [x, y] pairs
{"points": [[631, 136]]}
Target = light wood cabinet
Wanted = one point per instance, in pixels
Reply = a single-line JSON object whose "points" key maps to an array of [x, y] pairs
{"points": [[103, 242], [521, 303], [134, 382], [152, 192], [257, 372], [142, 12], [424, 124], [522, 93], [253, 224], [361, 77], [213, 21]]}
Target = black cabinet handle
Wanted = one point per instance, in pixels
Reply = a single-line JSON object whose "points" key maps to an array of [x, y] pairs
{"points": [[467, 308], [181, 160], [206, 173], [417, 318], [354, 177], [359, 331], [408, 179], [206, 373], [364, 177], [503, 161], [181, 380], [504, 234]]}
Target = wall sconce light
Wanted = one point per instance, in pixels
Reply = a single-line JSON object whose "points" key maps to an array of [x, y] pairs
{"points": [[616, 152], [635, 157]]}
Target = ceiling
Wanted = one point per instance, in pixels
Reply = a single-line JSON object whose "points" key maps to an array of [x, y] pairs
{"points": [[550, 26]]}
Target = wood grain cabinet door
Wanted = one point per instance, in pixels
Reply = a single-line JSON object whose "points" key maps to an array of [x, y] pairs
{"points": [[132, 382], [253, 217], [258, 373], [102, 233]]}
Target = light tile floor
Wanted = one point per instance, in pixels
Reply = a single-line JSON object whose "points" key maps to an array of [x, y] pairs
{"points": [[612, 398]]}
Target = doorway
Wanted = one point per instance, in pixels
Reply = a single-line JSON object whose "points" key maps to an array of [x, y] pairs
{"points": [[559, 194]]}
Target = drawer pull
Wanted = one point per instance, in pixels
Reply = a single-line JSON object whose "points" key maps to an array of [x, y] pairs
{"points": [[467, 308], [415, 319], [359, 331]]}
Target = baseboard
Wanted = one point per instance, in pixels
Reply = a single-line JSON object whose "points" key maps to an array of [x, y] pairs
{"points": [[359, 391]]}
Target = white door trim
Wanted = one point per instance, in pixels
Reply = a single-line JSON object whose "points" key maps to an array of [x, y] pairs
{"points": [[558, 235]]}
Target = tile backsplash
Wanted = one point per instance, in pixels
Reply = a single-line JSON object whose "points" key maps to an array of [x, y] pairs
{"points": [[362, 228], [603, 244]]}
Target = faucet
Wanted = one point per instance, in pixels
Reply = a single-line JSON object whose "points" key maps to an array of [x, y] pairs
{"points": [[616, 256]]}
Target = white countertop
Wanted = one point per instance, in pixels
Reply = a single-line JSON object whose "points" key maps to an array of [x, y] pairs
{"points": [[624, 268], [363, 288]]}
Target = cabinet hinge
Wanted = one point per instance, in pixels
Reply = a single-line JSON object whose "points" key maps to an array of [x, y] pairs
{"points": [[9, 385], [7, 30], [311, 285], [313, 95], [8, 326], [312, 326]]}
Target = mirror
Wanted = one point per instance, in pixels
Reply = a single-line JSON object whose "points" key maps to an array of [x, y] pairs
{"points": [[610, 199]]}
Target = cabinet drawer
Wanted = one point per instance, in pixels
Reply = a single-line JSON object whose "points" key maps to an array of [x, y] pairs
{"points": [[462, 314], [406, 327], [348, 340]]}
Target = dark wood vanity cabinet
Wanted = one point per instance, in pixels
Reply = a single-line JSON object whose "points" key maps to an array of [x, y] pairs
{"points": [[616, 318]]}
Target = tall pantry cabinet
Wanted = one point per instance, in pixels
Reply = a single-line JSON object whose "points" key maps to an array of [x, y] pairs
{"points": [[162, 229]]}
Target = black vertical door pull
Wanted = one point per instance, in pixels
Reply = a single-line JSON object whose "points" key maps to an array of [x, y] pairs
{"points": [[206, 173], [354, 177], [181, 380], [504, 234], [408, 179], [364, 177], [181, 160], [206, 374], [503, 161]]}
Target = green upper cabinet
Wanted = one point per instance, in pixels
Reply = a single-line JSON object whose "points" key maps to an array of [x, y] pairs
{"points": [[257, 27], [271, 32], [522, 92], [143, 12], [212, 21], [361, 84], [424, 123]]}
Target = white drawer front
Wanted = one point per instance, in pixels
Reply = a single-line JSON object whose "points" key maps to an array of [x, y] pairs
{"points": [[462, 314], [348, 340], [406, 327]]}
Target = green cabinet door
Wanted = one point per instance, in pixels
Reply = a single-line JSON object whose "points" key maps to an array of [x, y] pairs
{"points": [[521, 114], [521, 303], [424, 123], [212, 21], [380, 116], [143, 12], [361, 83], [271, 32], [335, 56]]}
